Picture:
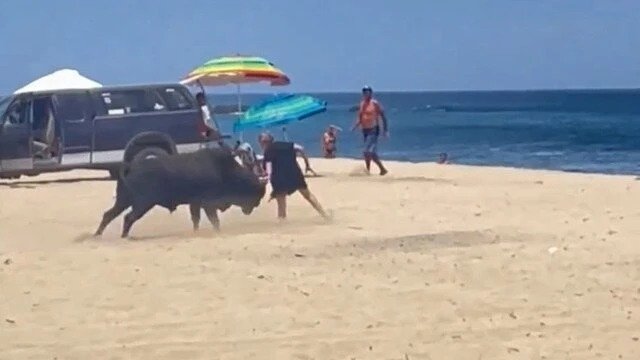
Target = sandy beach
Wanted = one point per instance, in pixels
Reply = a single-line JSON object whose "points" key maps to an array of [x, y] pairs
{"points": [[429, 262]]}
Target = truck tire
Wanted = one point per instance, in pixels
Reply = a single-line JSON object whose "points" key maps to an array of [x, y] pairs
{"points": [[149, 153]]}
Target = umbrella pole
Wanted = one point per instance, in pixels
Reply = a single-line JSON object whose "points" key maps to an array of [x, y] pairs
{"points": [[239, 109], [239, 99], [284, 133]]}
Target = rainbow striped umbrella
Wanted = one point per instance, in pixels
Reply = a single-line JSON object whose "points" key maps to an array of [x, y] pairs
{"points": [[236, 70]]}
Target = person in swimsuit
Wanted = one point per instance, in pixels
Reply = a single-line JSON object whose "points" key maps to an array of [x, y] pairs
{"points": [[329, 139], [369, 116], [284, 173]]}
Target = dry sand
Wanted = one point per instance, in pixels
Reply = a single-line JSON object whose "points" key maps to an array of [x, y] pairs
{"points": [[429, 262]]}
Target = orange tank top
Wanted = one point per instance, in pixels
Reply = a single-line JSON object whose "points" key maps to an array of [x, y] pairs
{"points": [[369, 114]]}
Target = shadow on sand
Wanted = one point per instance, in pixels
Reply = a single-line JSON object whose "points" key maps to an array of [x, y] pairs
{"points": [[266, 227], [31, 184]]}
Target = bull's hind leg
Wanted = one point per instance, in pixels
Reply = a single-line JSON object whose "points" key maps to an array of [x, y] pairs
{"points": [[212, 214], [137, 211], [111, 214], [194, 209]]}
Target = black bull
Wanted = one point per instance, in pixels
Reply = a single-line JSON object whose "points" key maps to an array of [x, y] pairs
{"points": [[208, 178]]}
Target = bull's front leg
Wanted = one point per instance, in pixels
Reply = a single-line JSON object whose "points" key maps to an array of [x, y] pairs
{"points": [[212, 214], [111, 214], [137, 211], [194, 209]]}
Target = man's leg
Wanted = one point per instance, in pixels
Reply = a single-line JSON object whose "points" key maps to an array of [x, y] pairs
{"points": [[376, 159], [373, 148], [367, 160], [282, 206], [369, 150], [40, 148], [314, 202]]}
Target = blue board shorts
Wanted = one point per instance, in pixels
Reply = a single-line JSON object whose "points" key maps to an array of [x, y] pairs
{"points": [[371, 139]]}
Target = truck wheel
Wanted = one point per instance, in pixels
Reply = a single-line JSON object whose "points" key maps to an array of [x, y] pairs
{"points": [[149, 153]]}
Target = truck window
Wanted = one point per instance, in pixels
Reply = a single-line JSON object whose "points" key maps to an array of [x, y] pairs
{"points": [[120, 102], [153, 99], [175, 99], [4, 104], [71, 106], [18, 113], [41, 113]]}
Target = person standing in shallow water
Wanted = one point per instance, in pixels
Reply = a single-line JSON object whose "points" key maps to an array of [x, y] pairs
{"points": [[284, 173], [443, 158], [329, 140], [369, 116]]}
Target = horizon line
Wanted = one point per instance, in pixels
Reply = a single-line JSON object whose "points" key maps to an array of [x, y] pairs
{"points": [[396, 91]]}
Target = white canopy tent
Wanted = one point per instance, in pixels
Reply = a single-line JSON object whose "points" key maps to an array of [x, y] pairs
{"points": [[65, 79]]}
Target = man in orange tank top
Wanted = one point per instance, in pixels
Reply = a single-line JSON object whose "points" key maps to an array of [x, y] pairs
{"points": [[369, 116]]}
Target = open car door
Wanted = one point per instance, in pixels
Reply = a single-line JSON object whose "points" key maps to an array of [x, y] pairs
{"points": [[74, 118], [15, 137]]}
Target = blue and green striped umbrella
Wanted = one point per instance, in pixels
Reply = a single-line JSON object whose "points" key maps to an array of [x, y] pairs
{"points": [[280, 110]]}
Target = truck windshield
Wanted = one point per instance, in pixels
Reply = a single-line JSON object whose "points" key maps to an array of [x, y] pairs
{"points": [[4, 103]]}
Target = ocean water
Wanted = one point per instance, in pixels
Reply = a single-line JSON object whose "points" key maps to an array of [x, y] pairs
{"points": [[578, 131]]}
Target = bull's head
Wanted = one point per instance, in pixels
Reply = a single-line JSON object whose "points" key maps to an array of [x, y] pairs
{"points": [[250, 202], [251, 190], [248, 209]]}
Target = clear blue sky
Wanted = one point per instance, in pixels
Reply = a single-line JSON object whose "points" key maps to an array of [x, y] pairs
{"points": [[327, 45]]}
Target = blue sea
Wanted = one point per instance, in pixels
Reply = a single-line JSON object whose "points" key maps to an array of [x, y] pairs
{"points": [[570, 130]]}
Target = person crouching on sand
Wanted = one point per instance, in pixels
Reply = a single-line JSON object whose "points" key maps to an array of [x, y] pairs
{"points": [[248, 158], [284, 173], [369, 116]]}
